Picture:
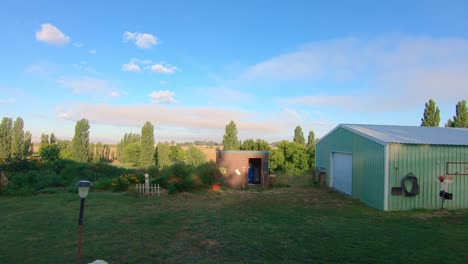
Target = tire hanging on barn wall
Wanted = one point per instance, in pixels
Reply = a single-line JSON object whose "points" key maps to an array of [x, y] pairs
{"points": [[414, 185]]}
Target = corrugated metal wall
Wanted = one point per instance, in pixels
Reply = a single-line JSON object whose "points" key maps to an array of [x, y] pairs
{"points": [[368, 164], [426, 162]]}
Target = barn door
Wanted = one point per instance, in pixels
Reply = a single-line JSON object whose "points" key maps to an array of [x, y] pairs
{"points": [[342, 172]]}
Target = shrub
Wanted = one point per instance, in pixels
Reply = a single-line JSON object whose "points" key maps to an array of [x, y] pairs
{"points": [[207, 172], [104, 184], [122, 183], [181, 177], [22, 183]]}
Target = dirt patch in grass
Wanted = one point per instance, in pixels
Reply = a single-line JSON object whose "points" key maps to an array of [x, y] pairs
{"points": [[436, 214], [127, 220]]}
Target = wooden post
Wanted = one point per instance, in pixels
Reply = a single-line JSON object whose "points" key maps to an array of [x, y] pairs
{"points": [[147, 192]]}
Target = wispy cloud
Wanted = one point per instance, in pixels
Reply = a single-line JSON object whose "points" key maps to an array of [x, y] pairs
{"points": [[51, 35], [177, 122], [78, 44], [163, 97], [92, 51], [163, 69], [377, 73], [141, 40], [7, 100], [131, 67], [89, 85]]}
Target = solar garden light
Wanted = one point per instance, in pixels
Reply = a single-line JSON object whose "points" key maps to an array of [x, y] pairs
{"points": [[83, 189]]}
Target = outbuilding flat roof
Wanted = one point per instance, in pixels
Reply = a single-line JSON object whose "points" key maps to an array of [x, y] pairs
{"points": [[256, 152], [384, 134]]}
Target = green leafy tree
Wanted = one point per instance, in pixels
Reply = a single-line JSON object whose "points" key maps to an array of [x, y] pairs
{"points": [[461, 117], [106, 153], [248, 144], [97, 154], [299, 136], [6, 131], [49, 153], [44, 139], [65, 148], [53, 139], [28, 145], [311, 139], [276, 160], [295, 159], [311, 149], [122, 145], [256, 145], [431, 117], [162, 156], [17, 146], [80, 141], [194, 156], [176, 153], [262, 144], [147, 145], [133, 152], [230, 141]]}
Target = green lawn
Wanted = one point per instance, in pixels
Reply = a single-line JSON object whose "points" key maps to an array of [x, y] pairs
{"points": [[308, 225]]}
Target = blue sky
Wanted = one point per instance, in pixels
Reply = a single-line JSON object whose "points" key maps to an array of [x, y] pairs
{"points": [[190, 67]]}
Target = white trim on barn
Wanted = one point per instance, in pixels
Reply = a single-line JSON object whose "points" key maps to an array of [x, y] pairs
{"points": [[387, 177]]}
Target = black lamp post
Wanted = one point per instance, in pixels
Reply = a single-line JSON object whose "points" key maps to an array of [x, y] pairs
{"points": [[83, 189]]}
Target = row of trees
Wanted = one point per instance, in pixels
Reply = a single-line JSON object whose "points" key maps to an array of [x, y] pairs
{"points": [[431, 116], [14, 142], [292, 157], [139, 149]]}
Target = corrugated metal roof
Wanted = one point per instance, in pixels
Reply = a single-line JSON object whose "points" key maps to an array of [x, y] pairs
{"points": [[411, 134]]}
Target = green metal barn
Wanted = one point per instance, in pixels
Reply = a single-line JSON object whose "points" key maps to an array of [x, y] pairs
{"points": [[397, 167]]}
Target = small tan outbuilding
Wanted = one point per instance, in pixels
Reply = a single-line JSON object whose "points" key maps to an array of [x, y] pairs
{"points": [[242, 168]]}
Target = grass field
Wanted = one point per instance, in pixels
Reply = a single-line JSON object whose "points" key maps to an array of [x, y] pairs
{"points": [[308, 225]]}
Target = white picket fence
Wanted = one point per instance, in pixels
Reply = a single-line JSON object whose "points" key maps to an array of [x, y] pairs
{"points": [[150, 190]]}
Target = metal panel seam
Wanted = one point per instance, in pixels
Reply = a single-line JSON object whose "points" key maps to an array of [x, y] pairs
{"points": [[386, 179]]}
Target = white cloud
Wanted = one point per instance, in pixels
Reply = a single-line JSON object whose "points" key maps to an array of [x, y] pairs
{"points": [[62, 114], [163, 97], [162, 82], [142, 40], [51, 35], [131, 67], [92, 51], [89, 85], [378, 74], [78, 44], [7, 101], [114, 94], [176, 122], [163, 69]]}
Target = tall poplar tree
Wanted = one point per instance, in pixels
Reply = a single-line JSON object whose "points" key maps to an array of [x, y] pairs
{"points": [[6, 137], [230, 141], [299, 136], [461, 117], [147, 145], [28, 146], [17, 145], [431, 117], [80, 142], [311, 139]]}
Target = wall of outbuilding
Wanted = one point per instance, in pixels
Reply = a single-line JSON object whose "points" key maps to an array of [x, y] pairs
{"points": [[368, 183], [233, 160], [427, 162]]}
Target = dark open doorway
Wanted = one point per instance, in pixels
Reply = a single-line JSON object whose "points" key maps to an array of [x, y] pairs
{"points": [[255, 171]]}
